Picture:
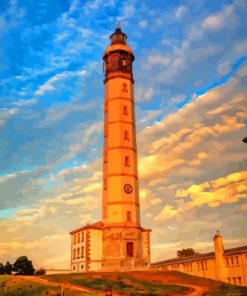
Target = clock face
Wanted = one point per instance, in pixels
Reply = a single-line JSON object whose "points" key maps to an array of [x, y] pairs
{"points": [[128, 188]]}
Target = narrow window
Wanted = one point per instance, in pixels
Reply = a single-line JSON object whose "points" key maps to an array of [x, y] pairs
{"points": [[198, 266], [78, 253], [126, 135], [125, 110], [229, 280], [128, 216], [105, 157], [239, 281], [82, 252], [125, 89], [206, 265], [82, 266], [130, 249], [74, 236], [74, 254], [227, 261], [127, 161], [232, 260], [202, 265], [190, 266], [78, 237], [237, 260], [105, 184]]}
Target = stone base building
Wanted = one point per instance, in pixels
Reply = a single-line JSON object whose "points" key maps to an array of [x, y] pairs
{"points": [[125, 248]]}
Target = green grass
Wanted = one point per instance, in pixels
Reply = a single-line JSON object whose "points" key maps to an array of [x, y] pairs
{"points": [[13, 286], [229, 290], [16, 286], [119, 282], [131, 284]]}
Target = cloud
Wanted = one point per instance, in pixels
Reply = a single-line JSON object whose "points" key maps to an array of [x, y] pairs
{"points": [[6, 114], [228, 189], [180, 12], [166, 213], [49, 84], [92, 5], [143, 94], [207, 121], [156, 59], [143, 23], [23, 103], [217, 21]]}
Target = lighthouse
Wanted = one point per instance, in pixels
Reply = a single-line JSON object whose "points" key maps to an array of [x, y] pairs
{"points": [[119, 240], [125, 242]]}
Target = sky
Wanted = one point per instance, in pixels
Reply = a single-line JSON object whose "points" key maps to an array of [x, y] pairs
{"points": [[190, 74]]}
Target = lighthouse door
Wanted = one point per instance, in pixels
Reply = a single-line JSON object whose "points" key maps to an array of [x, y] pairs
{"points": [[130, 249]]}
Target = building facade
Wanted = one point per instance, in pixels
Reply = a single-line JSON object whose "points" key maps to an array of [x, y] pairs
{"points": [[118, 242], [228, 265]]}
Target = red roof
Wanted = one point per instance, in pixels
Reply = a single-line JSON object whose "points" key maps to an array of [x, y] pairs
{"points": [[96, 225]]}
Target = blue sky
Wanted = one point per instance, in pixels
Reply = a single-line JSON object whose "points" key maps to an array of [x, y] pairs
{"points": [[51, 114]]}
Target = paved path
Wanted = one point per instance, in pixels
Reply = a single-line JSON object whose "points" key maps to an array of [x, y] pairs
{"points": [[197, 290]]}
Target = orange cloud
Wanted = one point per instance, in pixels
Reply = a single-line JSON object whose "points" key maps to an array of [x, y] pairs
{"points": [[228, 189]]}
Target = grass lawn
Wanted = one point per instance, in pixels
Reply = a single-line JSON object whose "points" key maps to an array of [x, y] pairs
{"points": [[129, 283], [121, 282], [16, 286]]}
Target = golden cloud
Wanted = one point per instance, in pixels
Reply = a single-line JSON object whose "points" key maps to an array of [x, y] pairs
{"points": [[228, 189]]}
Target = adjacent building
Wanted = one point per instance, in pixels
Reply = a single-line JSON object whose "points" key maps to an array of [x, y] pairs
{"points": [[118, 242], [226, 265]]}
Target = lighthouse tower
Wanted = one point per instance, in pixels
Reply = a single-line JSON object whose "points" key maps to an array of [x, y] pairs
{"points": [[118, 242], [125, 245]]}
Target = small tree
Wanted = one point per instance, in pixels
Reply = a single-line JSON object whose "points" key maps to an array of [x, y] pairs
{"points": [[2, 268], [8, 268], [186, 252], [23, 266], [40, 271]]}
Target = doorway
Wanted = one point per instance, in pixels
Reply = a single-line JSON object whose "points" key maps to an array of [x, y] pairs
{"points": [[130, 249]]}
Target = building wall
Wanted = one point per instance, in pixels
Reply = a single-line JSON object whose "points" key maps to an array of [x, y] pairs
{"points": [[95, 248], [234, 268], [78, 251], [146, 247]]}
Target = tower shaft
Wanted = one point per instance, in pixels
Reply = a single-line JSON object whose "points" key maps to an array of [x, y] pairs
{"points": [[120, 175], [125, 244]]}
